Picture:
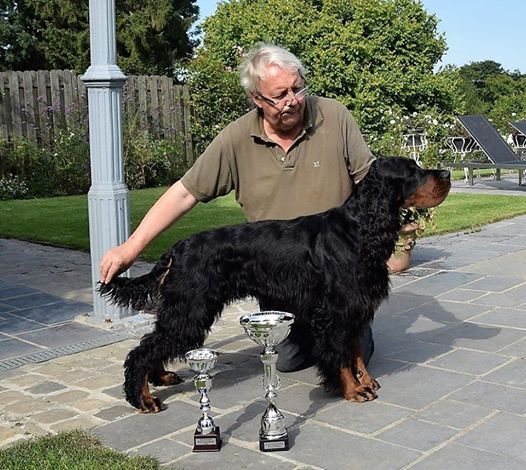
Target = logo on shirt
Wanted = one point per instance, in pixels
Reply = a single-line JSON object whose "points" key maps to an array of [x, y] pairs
{"points": [[316, 164]]}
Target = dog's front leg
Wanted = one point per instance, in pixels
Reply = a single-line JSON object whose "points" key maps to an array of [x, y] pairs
{"points": [[357, 384], [359, 368]]}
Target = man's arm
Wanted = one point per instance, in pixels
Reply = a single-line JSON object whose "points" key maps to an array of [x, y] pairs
{"points": [[170, 207]]}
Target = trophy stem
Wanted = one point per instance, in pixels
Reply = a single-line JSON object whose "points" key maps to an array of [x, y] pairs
{"points": [[273, 434]]}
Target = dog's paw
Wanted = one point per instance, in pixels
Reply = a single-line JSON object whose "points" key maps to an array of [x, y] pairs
{"points": [[369, 382], [360, 394], [152, 405], [168, 378]]}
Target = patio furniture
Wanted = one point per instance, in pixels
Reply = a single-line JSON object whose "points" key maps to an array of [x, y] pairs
{"points": [[500, 156], [519, 137]]}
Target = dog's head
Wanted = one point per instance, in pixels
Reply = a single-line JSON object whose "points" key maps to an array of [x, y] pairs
{"points": [[416, 186]]}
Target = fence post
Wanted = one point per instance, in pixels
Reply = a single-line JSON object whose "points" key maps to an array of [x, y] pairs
{"points": [[108, 196]]}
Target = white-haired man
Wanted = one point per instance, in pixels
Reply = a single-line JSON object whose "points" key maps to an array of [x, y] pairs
{"points": [[292, 155]]}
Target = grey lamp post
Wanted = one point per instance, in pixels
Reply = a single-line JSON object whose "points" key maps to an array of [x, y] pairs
{"points": [[108, 196]]}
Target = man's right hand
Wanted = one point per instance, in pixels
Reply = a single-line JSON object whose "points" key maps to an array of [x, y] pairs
{"points": [[116, 261]]}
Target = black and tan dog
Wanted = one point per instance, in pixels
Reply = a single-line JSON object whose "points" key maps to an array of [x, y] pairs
{"points": [[329, 269]]}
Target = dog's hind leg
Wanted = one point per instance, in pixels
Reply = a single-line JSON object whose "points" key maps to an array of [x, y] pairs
{"points": [[140, 364]]}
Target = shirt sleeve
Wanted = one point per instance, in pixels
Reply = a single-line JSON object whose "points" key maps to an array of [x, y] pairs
{"points": [[358, 155], [211, 174]]}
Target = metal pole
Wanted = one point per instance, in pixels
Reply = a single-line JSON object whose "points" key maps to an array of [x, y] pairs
{"points": [[108, 196]]}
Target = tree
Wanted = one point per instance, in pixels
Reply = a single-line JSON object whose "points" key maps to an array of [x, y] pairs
{"points": [[369, 54], [489, 89], [54, 34]]}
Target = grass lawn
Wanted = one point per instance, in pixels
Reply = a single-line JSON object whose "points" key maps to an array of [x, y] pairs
{"points": [[74, 450], [63, 221]]}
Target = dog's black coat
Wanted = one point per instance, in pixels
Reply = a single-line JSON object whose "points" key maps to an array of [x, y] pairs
{"points": [[329, 269]]}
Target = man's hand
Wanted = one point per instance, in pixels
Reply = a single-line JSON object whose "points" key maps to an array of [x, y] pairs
{"points": [[116, 261]]}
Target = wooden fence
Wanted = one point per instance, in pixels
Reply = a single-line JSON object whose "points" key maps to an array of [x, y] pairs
{"points": [[34, 104]]}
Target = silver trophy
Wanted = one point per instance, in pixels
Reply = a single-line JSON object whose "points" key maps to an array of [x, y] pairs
{"points": [[268, 329], [207, 436]]}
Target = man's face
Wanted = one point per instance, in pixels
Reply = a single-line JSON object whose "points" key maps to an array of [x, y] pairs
{"points": [[276, 98]]}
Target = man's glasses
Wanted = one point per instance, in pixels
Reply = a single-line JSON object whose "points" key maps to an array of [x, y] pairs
{"points": [[286, 99]]}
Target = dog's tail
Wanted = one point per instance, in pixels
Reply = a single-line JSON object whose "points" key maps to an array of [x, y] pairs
{"points": [[137, 292]]}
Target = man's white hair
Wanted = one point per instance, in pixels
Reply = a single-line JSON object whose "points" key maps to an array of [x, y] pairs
{"points": [[255, 65]]}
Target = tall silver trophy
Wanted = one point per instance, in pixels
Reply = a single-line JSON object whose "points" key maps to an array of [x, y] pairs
{"points": [[207, 436], [268, 329]]}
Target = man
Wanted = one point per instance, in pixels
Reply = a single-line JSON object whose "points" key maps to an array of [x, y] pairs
{"points": [[292, 155]]}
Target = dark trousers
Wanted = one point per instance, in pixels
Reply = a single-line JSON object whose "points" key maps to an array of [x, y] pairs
{"points": [[295, 351]]}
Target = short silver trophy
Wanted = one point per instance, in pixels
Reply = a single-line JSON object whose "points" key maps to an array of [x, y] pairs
{"points": [[207, 436], [268, 329]]}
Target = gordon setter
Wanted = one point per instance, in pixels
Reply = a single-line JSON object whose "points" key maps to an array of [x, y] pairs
{"points": [[328, 269]]}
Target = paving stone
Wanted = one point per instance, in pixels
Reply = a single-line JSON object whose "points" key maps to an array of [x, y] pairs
{"points": [[420, 353], [91, 404], [11, 291], [493, 396], [495, 283], [11, 396], [364, 418], [471, 362], [513, 374], [12, 348], [68, 397], [306, 376], [322, 446], [79, 422], [13, 324], [57, 312], [62, 335], [98, 382], [416, 386], [306, 400], [45, 388], [233, 456], [142, 428], [417, 435], [7, 433], [27, 406], [114, 392], [54, 415], [439, 283], [398, 302], [464, 458], [478, 337], [5, 308], [502, 434], [462, 295], [503, 317], [446, 311], [458, 415], [517, 349], [165, 450], [115, 412], [26, 380], [34, 299]]}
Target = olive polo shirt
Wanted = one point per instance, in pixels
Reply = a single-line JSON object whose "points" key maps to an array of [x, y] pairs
{"points": [[269, 183]]}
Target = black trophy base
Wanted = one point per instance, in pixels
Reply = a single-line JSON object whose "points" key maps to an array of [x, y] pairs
{"points": [[210, 442], [273, 445]]}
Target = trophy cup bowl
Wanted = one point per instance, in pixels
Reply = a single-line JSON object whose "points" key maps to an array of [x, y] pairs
{"points": [[268, 329], [207, 436]]}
